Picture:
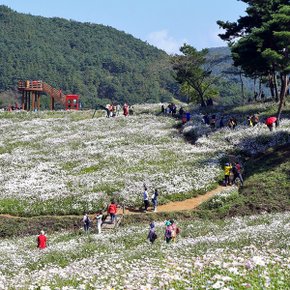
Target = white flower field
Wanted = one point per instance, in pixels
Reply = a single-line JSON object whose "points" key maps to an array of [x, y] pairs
{"points": [[63, 163], [240, 253]]}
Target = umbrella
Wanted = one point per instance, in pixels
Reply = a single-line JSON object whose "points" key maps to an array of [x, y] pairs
{"points": [[271, 120]]}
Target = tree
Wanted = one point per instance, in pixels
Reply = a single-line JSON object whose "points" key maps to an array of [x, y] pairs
{"points": [[260, 43], [193, 72]]}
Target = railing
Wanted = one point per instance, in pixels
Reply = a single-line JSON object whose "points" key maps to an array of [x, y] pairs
{"points": [[29, 85], [54, 93]]}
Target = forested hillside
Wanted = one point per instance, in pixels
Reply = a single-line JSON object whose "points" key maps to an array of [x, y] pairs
{"points": [[98, 62], [83, 58]]}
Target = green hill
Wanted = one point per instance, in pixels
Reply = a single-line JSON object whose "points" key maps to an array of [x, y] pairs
{"points": [[96, 61]]}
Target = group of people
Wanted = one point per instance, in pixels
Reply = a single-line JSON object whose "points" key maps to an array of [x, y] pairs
{"points": [[170, 233], [171, 109], [212, 121], [234, 170], [154, 199], [114, 110], [111, 210]]}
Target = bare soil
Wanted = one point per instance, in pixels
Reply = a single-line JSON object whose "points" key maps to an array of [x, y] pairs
{"points": [[187, 204]]}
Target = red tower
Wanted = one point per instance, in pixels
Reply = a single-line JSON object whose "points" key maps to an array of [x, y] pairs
{"points": [[72, 102]]}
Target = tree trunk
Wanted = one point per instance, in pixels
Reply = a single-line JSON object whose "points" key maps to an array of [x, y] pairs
{"points": [[283, 92], [271, 85], [276, 88], [242, 87]]}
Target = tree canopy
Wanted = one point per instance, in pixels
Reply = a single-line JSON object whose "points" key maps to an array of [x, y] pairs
{"points": [[98, 62], [193, 72], [260, 43]]}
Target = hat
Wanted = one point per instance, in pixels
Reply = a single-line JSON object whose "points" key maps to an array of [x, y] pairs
{"points": [[227, 164], [42, 232], [167, 223]]}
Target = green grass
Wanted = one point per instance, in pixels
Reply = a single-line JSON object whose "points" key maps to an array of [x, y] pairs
{"points": [[267, 184]]}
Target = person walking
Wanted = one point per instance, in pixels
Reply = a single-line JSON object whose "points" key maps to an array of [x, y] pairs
{"points": [[112, 211], [145, 199], [86, 222], [154, 200], [41, 240], [168, 232], [227, 171], [237, 172], [152, 236], [99, 220]]}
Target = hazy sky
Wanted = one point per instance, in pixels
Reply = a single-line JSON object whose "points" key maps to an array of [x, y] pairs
{"points": [[166, 24]]}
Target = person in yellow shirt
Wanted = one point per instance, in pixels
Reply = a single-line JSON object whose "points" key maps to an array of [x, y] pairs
{"points": [[227, 171]]}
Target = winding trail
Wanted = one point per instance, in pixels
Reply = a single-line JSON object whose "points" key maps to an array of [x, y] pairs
{"points": [[187, 204]]}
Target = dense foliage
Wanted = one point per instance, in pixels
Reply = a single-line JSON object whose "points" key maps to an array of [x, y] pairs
{"points": [[98, 62], [95, 61], [260, 43]]}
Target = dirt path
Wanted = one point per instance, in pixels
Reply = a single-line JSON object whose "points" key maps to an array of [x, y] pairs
{"points": [[187, 204]]}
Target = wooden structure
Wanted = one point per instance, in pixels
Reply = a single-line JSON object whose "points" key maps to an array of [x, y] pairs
{"points": [[72, 102], [107, 226], [31, 91]]}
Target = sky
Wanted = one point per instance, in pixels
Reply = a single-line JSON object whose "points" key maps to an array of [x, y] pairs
{"points": [[166, 24]]}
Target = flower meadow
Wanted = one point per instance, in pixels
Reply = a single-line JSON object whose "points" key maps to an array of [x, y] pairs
{"points": [[238, 253], [68, 162], [65, 163]]}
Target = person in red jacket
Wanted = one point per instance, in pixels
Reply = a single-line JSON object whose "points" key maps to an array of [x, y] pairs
{"points": [[41, 240], [112, 210]]}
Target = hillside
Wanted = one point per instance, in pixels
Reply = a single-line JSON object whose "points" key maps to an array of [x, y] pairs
{"points": [[240, 253], [56, 165], [96, 61]]}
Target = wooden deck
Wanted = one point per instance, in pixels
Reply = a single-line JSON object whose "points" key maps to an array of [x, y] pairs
{"points": [[107, 226]]}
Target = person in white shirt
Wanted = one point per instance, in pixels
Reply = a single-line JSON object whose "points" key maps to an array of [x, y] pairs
{"points": [[146, 199], [99, 218]]}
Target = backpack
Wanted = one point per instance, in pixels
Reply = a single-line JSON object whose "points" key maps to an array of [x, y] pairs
{"points": [[177, 230], [87, 221], [168, 233]]}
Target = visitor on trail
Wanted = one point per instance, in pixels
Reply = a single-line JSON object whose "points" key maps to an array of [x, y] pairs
{"points": [[232, 123], [126, 110], [162, 109], [111, 110], [270, 122], [206, 119], [255, 119], [237, 172], [174, 230], [145, 199], [173, 109], [154, 199], [86, 222], [99, 217], [114, 110], [112, 210], [118, 109], [188, 116], [183, 119], [227, 171], [249, 121], [152, 236], [181, 111], [41, 240], [212, 122], [168, 232]]}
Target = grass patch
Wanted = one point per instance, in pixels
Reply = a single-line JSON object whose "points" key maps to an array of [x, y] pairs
{"points": [[267, 184]]}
